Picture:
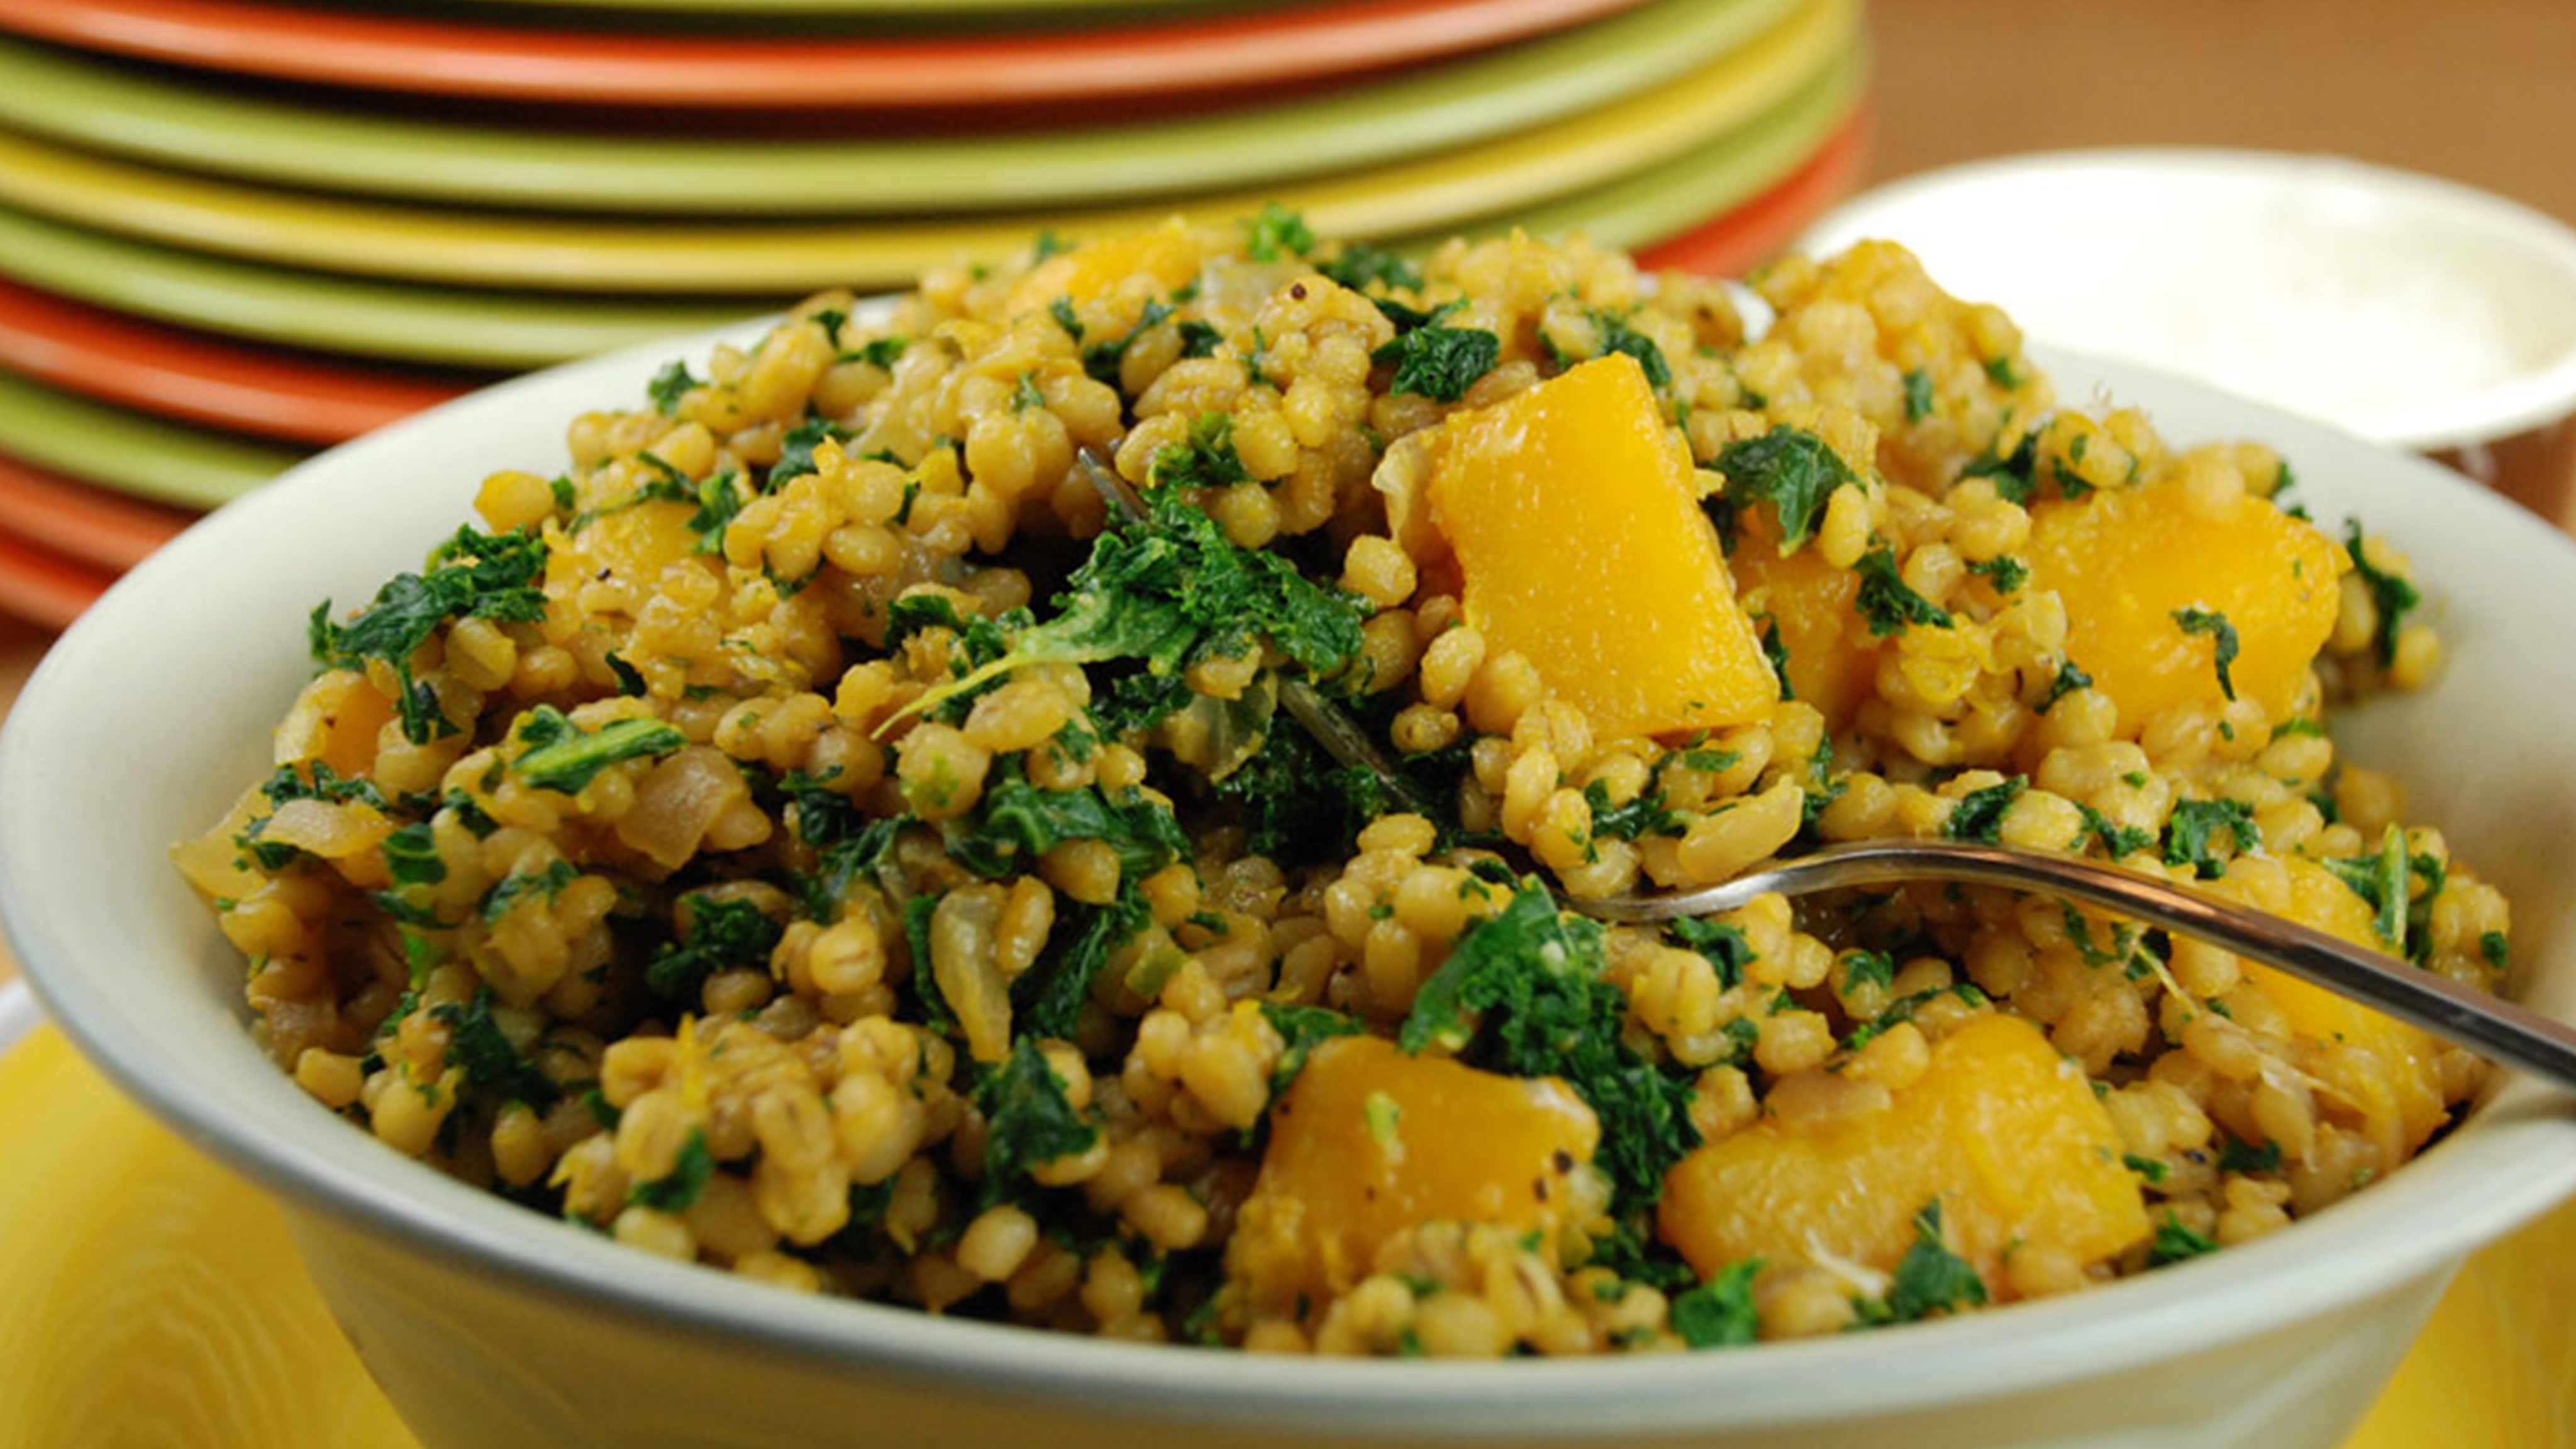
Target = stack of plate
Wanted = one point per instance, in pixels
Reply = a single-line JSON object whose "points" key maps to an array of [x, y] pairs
{"points": [[231, 230]]}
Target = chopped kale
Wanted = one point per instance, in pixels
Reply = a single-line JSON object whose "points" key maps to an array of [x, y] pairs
{"points": [[548, 882], [2070, 678], [1918, 395], [2237, 1156], [1026, 394], [847, 844], [2004, 571], [492, 1066], [1207, 460], [1361, 266], [1101, 359], [564, 757], [1723, 945], [1719, 1313], [2214, 624], [723, 935], [879, 352], [2174, 1242], [2394, 596], [2382, 878], [796, 451], [1885, 601], [1646, 814], [1523, 993], [1275, 234], [1048, 998], [1440, 363], [1200, 339], [1930, 1279], [1171, 589], [2001, 370], [2118, 841], [1303, 1028], [311, 781], [1868, 968], [1631, 1252], [1016, 822], [2013, 474], [630, 680], [670, 385], [1617, 336], [1027, 1120], [677, 1191], [2497, 952], [1979, 814], [472, 575], [1061, 309], [2188, 832], [2147, 1168], [1778, 655], [1796, 471]]}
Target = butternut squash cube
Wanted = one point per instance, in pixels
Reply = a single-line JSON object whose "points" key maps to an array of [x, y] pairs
{"points": [[1371, 1141], [1571, 511], [1168, 253], [2126, 560], [2004, 1131], [2373, 1068], [1833, 658]]}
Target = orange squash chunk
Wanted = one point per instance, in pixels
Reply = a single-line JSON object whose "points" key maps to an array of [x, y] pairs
{"points": [[2005, 1132], [2124, 560], [634, 544], [1168, 253], [1571, 511], [1371, 1141], [2384, 1072], [1833, 658]]}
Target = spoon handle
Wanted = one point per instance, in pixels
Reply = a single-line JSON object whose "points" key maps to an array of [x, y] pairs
{"points": [[2489, 1025]]}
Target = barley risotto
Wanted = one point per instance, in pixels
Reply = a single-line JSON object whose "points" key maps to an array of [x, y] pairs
{"points": [[1049, 803]]}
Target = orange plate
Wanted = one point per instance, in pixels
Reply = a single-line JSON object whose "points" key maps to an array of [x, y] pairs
{"points": [[83, 523], [181, 375], [1756, 231], [43, 587], [391, 52]]}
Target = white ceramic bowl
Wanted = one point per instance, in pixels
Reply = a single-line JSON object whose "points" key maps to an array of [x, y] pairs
{"points": [[2410, 310], [494, 1327]]}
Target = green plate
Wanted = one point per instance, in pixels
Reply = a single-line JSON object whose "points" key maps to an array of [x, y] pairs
{"points": [[130, 452], [374, 319], [1669, 200], [140, 113], [512, 330]]}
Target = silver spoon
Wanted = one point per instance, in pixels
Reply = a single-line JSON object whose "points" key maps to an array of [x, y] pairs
{"points": [[2491, 1026]]}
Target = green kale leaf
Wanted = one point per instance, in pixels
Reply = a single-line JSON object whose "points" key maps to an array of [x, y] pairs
{"points": [[1523, 993], [1792, 468], [564, 757]]}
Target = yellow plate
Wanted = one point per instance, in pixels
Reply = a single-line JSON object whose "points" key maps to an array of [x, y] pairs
{"points": [[1433, 194], [155, 1299]]}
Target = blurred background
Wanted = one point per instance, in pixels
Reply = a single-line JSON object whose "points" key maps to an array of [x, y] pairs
{"points": [[235, 231]]}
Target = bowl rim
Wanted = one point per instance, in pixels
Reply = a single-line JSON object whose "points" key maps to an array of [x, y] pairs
{"points": [[2510, 1164], [2532, 398]]}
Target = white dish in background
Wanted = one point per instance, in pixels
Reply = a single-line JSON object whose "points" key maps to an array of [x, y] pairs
{"points": [[494, 1327], [2409, 310]]}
